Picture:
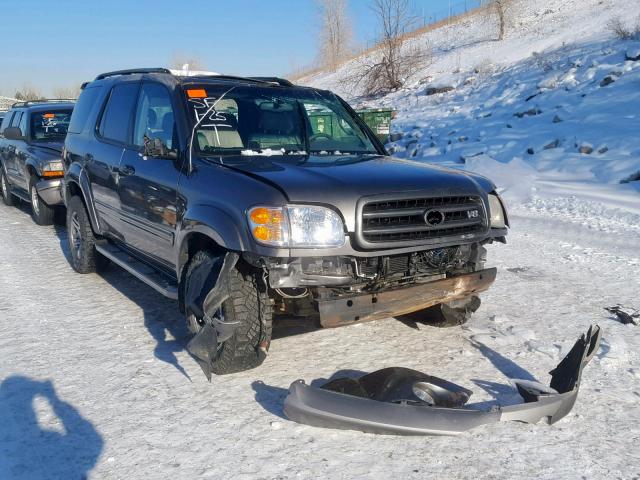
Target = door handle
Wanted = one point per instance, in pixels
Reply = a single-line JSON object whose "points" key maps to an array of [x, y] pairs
{"points": [[127, 170]]}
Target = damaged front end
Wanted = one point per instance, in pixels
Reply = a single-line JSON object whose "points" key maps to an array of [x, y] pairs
{"points": [[401, 401], [207, 290], [341, 290]]}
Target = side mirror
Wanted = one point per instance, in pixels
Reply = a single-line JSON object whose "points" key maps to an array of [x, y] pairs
{"points": [[13, 133], [156, 148]]}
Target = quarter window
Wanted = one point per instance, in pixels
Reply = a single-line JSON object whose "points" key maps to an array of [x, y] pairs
{"points": [[116, 118], [83, 108]]}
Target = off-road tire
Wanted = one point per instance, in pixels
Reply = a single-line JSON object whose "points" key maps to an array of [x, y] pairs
{"points": [[83, 255], [248, 305], [5, 190], [41, 213], [451, 314]]}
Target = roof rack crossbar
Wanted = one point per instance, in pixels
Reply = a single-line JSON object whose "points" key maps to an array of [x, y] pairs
{"points": [[132, 72], [29, 103]]}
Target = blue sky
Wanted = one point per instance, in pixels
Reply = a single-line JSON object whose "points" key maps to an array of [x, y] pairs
{"points": [[51, 44]]}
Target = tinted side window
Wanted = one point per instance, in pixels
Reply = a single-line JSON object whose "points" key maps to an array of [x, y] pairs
{"points": [[154, 116], [116, 118], [83, 108]]}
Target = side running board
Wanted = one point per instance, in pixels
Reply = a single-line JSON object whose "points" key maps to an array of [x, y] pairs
{"points": [[140, 270]]}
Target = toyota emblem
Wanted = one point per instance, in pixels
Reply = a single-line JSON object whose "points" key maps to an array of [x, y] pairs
{"points": [[433, 218]]}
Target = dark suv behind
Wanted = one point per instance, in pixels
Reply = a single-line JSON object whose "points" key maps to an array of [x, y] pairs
{"points": [[222, 193], [31, 139]]}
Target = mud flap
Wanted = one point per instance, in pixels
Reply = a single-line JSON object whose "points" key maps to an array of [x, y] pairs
{"points": [[209, 287]]}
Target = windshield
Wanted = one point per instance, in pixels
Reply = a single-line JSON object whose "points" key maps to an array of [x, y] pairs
{"points": [[50, 126], [272, 121]]}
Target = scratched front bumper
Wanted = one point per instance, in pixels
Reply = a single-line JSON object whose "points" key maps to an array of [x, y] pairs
{"points": [[375, 306], [50, 191]]}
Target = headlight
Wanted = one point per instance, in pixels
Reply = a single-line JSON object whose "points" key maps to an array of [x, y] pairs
{"points": [[496, 212], [53, 169], [303, 226]]}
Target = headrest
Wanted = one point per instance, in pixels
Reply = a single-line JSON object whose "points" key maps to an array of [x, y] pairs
{"points": [[272, 122], [167, 123], [152, 118]]}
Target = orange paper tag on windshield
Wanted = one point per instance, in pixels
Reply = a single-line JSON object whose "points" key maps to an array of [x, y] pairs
{"points": [[197, 93], [49, 115]]}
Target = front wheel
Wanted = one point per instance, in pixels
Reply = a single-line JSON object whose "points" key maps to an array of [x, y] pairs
{"points": [[41, 213], [82, 240], [7, 196], [250, 307]]}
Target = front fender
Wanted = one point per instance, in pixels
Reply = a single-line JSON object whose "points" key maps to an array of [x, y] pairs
{"points": [[78, 176], [35, 164], [214, 223]]}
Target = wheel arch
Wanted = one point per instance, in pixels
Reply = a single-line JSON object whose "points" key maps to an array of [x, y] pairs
{"points": [[76, 182], [192, 243]]}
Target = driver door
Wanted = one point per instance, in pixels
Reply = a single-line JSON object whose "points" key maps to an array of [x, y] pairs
{"points": [[148, 185]]}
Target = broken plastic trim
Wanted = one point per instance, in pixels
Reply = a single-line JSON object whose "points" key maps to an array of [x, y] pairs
{"points": [[207, 290], [405, 402]]}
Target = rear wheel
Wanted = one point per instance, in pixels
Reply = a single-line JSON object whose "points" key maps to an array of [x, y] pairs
{"points": [[7, 196], [249, 306], [41, 213], [451, 314], [82, 240]]}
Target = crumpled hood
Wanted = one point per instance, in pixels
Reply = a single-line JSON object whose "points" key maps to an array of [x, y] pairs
{"points": [[316, 178]]}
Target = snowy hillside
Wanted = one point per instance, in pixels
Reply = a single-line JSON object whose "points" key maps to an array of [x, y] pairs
{"points": [[551, 111]]}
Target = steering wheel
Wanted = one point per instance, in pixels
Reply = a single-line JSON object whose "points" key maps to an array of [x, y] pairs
{"points": [[315, 137]]}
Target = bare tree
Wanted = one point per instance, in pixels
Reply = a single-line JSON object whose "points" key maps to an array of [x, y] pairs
{"points": [[193, 62], [623, 31], [502, 8], [335, 32], [67, 92], [28, 92], [395, 60]]}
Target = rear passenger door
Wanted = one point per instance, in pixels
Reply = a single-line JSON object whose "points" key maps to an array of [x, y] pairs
{"points": [[4, 143], [11, 150], [20, 154], [113, 134], [148, 185]]}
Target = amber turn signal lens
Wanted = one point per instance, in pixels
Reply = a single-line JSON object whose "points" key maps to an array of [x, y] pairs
{"points": [[262, 233], [53, 174], [266, 216], [268, 225]]}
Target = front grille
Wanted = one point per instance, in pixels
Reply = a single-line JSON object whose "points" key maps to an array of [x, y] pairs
{"points": [[402, 220]]}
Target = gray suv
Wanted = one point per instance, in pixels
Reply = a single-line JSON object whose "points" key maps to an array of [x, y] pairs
{"points": [[31, 138], [247, 199]]}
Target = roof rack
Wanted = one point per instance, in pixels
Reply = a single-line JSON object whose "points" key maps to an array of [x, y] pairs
{"points": [[274, 80], [283, 82], [132, 72], [30, 103]]}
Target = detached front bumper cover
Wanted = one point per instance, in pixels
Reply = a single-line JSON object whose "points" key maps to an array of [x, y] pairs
{"points": [[401, 401]]}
